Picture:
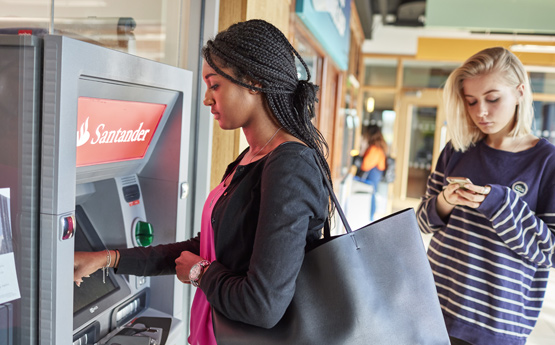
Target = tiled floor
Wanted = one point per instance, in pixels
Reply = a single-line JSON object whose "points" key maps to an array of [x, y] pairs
{"points": [[357, 206]]}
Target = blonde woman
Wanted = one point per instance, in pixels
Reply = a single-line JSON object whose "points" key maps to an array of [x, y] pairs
{"points": [[490, 204]]}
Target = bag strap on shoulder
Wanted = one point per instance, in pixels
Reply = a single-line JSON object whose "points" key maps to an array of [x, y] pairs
{"points": [[337, 205]]}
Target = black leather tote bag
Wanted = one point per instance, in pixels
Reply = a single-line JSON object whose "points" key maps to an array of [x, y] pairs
{"points": [[369, 286]]}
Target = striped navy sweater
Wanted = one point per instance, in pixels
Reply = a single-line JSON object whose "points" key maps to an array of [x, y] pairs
{"points": [[491, 264]]}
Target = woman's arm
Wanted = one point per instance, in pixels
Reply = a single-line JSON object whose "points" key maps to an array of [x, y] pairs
{"points": [[140, 261], [530, 235], [86, 263], [157, 260], [434, 208]]}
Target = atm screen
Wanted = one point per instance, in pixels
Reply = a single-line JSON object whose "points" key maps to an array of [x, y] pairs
{"points": [[92, 288], [95, 294]]}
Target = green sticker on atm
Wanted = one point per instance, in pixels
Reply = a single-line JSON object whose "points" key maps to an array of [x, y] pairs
{"points": [[143, 234]]}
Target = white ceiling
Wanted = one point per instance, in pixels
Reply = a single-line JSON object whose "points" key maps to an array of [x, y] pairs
{"points": [[403, 40]]}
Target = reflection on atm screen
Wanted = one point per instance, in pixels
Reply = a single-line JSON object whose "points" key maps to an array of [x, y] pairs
{"points": [[94, 295], [92, 288]]}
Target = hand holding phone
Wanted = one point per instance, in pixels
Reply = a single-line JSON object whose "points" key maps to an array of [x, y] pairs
{"points": [[461, 181]]}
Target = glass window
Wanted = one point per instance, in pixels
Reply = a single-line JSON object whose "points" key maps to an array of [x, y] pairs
{"points": [[375, 103], [542, 82], [380, 72], [149, 29], [544, 126], [421, 149], [379, 111], [23, 14], [310, 57], [314, 62], [425, 74]]}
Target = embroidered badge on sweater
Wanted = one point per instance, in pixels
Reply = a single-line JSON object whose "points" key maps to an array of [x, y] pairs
{"points": [[520, 187]]}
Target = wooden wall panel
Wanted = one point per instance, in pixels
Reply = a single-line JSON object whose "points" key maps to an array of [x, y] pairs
{"points": [[275, 12], [232, 11]]}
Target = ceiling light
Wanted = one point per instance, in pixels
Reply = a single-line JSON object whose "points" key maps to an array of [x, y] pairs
{"points": [[370, 102], [533, 48]]}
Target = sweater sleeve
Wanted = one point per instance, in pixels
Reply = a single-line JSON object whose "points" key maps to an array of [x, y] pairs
{"points": [[155, 260], [530, 235], [293, 203], [426, 213]]}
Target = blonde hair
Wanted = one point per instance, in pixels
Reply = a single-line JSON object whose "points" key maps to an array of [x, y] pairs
{"points": [[462, 130]]}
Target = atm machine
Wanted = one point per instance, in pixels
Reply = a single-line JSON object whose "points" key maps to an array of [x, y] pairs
{"points": [[94, 148]]}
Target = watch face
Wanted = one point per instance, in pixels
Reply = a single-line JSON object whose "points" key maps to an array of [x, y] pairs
{"points": [[195, 271]]}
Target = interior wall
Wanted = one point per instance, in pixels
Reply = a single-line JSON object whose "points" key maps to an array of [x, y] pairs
{"points": [[458, 50]]}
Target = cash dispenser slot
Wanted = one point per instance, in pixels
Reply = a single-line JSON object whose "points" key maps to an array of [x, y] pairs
{"points": [[126, 311], [88, 335]]}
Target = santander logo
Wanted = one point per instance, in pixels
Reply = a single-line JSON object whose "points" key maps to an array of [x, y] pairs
{"points": [[83, 134], [104, 136], [113, 130]]}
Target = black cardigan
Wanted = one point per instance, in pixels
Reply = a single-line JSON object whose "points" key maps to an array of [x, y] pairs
{"points": [[271, 210]]}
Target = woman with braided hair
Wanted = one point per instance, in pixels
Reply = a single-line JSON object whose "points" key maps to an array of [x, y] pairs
{"points": [[272, 201]]}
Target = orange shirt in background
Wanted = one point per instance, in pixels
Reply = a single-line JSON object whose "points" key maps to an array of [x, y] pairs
{"points": [[373, 157]]}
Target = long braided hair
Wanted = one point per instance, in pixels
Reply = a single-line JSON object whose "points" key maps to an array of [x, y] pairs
{"points": [[259, 53]]}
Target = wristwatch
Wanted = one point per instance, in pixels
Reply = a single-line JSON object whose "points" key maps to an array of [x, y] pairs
{"points": [[197, 271]]}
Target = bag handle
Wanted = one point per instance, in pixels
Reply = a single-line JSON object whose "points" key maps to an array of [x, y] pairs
{"points": [[337, 205]]}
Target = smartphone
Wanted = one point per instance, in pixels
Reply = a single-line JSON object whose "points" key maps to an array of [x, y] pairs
{"points": [[460, 180]]}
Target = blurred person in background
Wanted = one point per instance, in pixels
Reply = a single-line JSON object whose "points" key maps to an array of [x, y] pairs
{"points": [[373, 161]]}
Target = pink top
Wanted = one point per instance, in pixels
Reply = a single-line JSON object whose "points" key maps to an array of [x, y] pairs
{"points": [[202, 331]]}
